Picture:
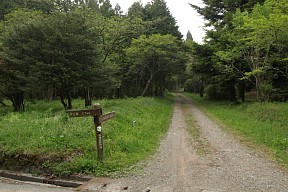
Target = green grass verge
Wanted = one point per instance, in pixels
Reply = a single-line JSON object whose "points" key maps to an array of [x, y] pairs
{"points": [[265, 125], [45, 138]]}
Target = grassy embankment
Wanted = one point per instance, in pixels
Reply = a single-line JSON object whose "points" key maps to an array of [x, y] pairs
{"points": [[45, 138], [263, 125]]}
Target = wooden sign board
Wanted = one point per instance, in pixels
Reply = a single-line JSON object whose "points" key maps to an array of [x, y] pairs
{"points": [[107, 116], [83, 113]]}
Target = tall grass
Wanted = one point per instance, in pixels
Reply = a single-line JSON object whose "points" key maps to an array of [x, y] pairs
{"points": [[263, 124], [46, 138]]}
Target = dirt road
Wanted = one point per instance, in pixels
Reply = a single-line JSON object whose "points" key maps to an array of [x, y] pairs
{"points": [[227, 166]]}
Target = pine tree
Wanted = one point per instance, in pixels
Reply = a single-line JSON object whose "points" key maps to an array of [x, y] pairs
{"points": [[164, 23], [158, 17], [136, 11], [189, 36]]}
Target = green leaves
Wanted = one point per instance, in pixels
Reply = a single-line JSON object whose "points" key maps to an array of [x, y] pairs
{"points": [[156, 55], [157, 16], [156, 52], [79, 47], [251, 45], [260, 33], [56, 50]]}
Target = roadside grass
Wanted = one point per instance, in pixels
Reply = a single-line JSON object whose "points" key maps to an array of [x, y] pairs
{"points": [[45, 139], [264, 125]]}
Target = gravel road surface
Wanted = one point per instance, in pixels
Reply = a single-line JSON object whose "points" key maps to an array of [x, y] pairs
{"points": [[227, 166]]}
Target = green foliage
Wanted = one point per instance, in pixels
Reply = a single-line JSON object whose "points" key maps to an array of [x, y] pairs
{"points": [[115, 34], [258, 35], [157, 16], [71, 49], [43, 51], [262, 124], [136, 10], [15, 52], [163, 21], [155, 56], [8, 6], [189, 36], [106, 9], [247, 45], [69, 143], [66, 51], [219, 13]]}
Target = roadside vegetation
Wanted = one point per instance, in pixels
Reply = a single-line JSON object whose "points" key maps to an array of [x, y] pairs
{"points": [[45, 140], [263, 125]]}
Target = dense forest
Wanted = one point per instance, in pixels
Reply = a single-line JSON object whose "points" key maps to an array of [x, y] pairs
{"points": [[64, 49]]}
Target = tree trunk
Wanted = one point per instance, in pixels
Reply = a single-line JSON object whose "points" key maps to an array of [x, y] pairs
{"points": [[69, 100], [18, 101], [63, 100], [258, 81], [194, 87], [147, 84], [118, 93], [87, 97], [241, 90], [231, 90], [232, 94], [50, 93], [201, 88]]}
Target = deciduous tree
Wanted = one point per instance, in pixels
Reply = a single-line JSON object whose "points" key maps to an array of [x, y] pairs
{"points": [[257, 35], [157, 56]]}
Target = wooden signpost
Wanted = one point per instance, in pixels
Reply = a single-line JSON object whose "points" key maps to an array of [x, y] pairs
{"points": [[99, 118]]}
